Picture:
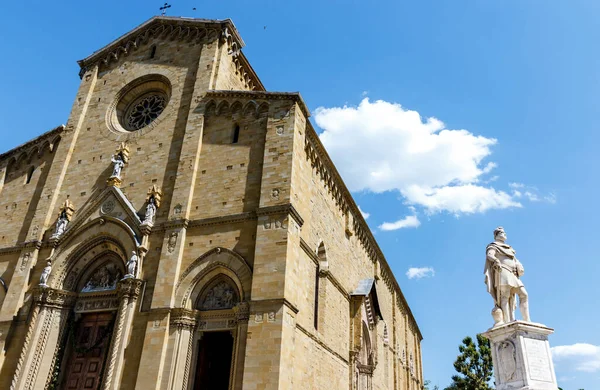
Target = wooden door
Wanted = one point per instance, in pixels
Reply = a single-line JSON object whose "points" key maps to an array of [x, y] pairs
{"points": [[88, 352]]}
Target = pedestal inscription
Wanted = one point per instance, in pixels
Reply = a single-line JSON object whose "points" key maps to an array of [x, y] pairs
{"points": [[538, 360]]}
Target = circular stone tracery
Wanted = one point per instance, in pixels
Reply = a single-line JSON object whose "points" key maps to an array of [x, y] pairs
{"points": [[144, 111], [139, 104]]}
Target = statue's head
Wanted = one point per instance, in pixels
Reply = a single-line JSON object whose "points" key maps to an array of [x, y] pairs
{"points": [[499, 234]]}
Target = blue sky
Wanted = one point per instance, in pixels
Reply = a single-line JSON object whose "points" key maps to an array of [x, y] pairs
{"points": [[513, 85]]}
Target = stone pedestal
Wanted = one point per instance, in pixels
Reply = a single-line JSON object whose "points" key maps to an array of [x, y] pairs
{"points": [[521, 356]]}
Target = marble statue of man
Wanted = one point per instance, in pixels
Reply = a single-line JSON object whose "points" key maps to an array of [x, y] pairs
{"points": [[502, 272], [46, 274], [150, 210], [61, 224], [132, 265], [117, 165]]}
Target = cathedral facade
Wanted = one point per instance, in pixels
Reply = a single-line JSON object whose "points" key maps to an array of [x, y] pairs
{"points": [[186, 229]]}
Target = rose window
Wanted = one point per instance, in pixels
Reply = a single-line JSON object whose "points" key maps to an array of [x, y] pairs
{"points": [[144, 111]]}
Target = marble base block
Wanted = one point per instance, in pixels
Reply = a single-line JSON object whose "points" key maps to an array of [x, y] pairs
{"points": [[521, 356]]}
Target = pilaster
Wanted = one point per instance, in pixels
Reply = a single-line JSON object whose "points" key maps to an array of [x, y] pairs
{"points": [[184, 323], [163, 300]]}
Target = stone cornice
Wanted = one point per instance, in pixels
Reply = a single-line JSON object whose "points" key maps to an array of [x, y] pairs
{"points": [[287, 208], [268, 304], [233, 218], [186, 29], [259, 95], [247, 72], [181, 223], [11, 249], [323, 164], [182, 29], [27, 149]]}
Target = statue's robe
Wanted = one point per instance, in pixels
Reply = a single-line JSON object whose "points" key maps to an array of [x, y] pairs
{"points": [[507, 276]]}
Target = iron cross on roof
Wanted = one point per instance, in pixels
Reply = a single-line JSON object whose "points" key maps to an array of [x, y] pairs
{"points": [[163, 9]]}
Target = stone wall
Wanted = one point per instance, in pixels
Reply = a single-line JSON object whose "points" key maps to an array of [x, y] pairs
{"points": [[256, 210]]}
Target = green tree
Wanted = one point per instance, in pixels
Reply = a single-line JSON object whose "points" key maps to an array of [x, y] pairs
{"points": [[427, 384], [474, 364]]}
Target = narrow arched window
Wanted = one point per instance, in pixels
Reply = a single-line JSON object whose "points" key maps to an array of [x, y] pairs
{"points": [[29, 174], [320, 286], [236, 134], [152, 51]]}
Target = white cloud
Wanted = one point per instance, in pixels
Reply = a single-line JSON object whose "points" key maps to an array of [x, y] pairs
{"points": [[364, 214], [520, 190], [467, 199], [418, 273], [550, 198], [580, 356], [381, 146], [410, 221]]}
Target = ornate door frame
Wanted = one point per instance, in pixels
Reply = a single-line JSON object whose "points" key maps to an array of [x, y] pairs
{"points": [[47, 324], [190, 326]]}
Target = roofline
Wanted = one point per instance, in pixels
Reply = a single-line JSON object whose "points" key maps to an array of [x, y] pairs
{"points": [[363, 223], [183, 21], [57, 130], [295, 96], [244, 59]]}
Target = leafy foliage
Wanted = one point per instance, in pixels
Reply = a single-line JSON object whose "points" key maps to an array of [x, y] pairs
{"points": [[474, 364], [427, 384]]}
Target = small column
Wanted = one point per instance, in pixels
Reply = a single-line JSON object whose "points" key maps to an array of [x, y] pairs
{"points": [[51, 307], [128, 290], [184, 321], [242, 315], [521, 356]]}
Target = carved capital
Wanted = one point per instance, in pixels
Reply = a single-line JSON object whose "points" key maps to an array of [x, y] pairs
{"points": [[242, 311], [130, 288], [183, 318], [47, 296]]}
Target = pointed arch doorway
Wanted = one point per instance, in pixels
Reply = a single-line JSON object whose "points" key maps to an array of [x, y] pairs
{"points": [[89, 328], [215, 347]]}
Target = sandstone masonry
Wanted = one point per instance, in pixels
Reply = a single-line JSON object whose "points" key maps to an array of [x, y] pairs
{"points": [[256, 245]]}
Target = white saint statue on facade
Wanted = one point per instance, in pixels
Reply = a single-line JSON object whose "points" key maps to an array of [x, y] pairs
{"points": [[45, 274], [118, 164], [150, 210], [502, 272], [132, 265], [61, 224]]}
